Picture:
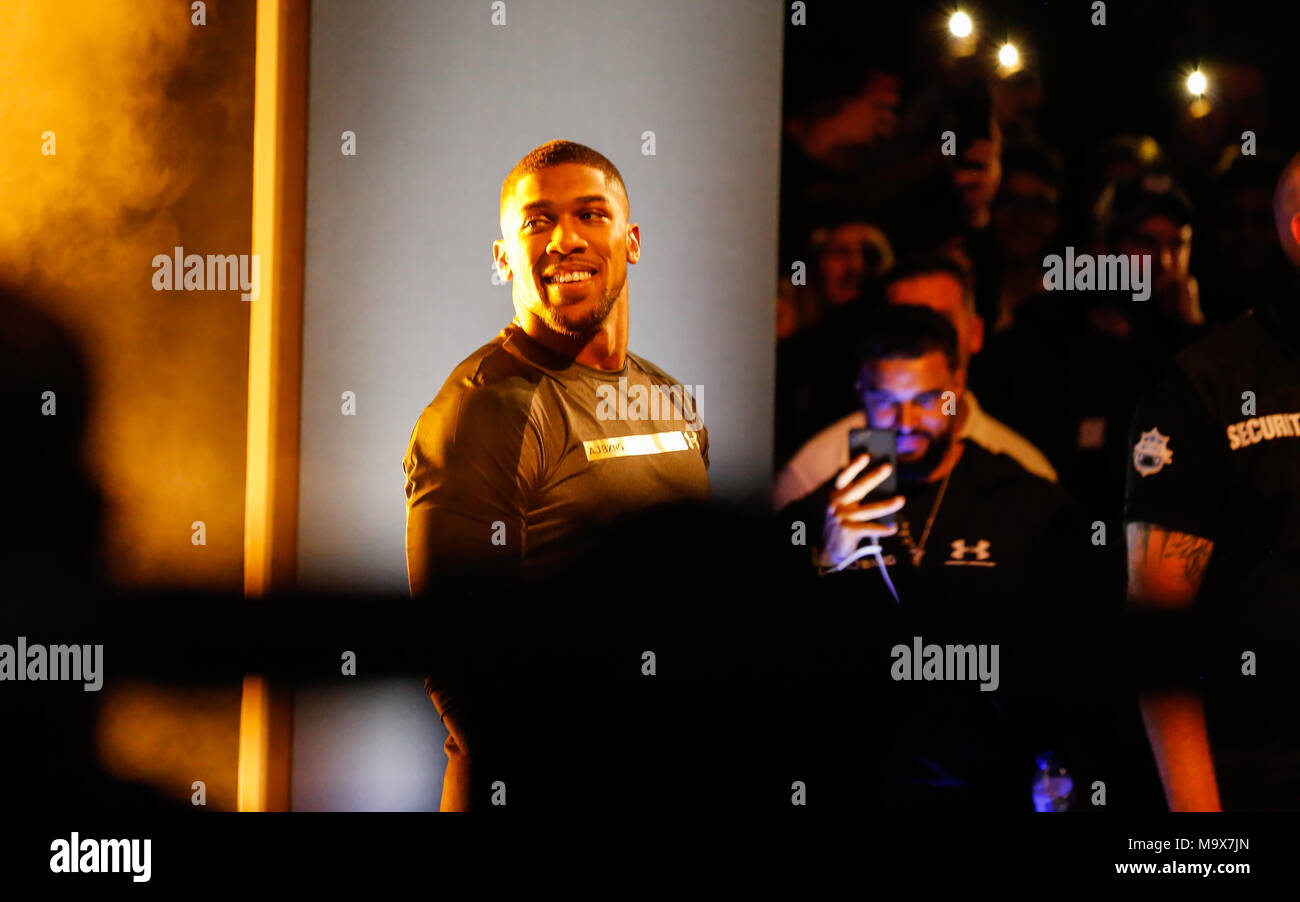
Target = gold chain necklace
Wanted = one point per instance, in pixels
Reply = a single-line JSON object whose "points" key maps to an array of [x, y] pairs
{"points": [[905, 533]]}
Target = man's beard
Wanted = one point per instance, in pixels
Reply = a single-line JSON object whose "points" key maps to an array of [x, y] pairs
{"points": [[919, 470], [587, 324]]}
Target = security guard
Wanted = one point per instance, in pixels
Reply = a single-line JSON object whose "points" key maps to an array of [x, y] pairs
{"points": [[1212, 515]]}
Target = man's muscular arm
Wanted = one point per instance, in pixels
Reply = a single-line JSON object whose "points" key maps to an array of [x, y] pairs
{"points": [[1165, 569], [471, 463]]}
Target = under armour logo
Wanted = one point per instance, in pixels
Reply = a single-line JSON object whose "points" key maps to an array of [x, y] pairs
{"points": [[960, 549]]}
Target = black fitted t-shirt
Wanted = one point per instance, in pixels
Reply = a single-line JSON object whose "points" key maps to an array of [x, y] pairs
{"points": [[524, 451], [1215, 452]]}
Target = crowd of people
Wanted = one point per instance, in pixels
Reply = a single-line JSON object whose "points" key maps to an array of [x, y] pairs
{"points": [[1035, 411]]}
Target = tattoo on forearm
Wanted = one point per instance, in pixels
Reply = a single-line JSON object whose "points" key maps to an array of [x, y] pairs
{"points": [[1193, 551], [1165, 563]]}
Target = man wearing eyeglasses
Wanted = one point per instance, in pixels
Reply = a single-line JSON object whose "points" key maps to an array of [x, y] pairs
{"points": [[978, 539], [971, 523]]}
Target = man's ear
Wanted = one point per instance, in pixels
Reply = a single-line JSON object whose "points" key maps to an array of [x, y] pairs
{"points": [[503, 263], [1295, 228], [633, 243]]}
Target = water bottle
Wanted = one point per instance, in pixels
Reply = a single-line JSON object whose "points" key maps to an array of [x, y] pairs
{"points": [[1053, 785]]}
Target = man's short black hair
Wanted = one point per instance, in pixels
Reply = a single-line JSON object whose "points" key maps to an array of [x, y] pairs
{"points": [[928, 264], [557, 153], [905, 332]]}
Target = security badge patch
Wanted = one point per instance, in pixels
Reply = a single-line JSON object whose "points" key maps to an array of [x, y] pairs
{"points": [[1151, 453]]}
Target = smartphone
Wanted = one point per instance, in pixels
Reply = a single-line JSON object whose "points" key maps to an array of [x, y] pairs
{"points": [[882, 445]]}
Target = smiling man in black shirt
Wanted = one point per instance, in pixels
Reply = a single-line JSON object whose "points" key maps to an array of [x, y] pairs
{"points": [[554, 428]]}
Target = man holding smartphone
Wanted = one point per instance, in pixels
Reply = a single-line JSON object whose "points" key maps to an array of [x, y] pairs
{"points": [[945, 286], [978, 544], [971, 523]]}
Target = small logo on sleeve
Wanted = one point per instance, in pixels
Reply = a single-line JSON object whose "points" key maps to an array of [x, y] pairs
{"points": [[1151, 453]]}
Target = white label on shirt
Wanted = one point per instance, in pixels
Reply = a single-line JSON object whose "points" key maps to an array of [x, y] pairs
{"points": [[632, 445]]}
